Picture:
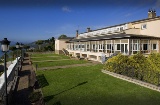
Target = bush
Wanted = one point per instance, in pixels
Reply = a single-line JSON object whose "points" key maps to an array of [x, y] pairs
{"points": [[155, 59], [35, 96], [117, 64], [137, 66]]}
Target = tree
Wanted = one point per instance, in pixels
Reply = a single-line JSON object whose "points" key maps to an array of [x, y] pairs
{"points": [[48, 48], [39, 43], [52, 40], [26, 47], [62, 36], [12, 48]]}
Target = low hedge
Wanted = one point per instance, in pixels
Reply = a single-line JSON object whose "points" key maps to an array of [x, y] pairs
{"points": [[136, 66]]}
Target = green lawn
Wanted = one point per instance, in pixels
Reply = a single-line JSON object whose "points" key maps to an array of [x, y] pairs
{"points": [[59, 63], [41, 57], [50, 58], [89, 86]]}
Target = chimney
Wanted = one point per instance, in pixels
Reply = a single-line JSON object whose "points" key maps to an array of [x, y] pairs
{"points": [[76, 33], [151, 13], [88, 29]]}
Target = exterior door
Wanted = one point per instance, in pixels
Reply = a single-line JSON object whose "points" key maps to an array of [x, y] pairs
{"points": [[124, 48]]}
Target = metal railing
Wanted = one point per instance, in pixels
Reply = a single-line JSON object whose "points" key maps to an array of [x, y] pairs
{"points": [[12, 72]]}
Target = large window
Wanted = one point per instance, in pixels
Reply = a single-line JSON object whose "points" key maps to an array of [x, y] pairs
{"points": [[108, 46], [93, 46], [82, 45], [118, 46], [88, 46], [100, 46], [135, 46], [154, 46], [77, 47], [145, 46]]}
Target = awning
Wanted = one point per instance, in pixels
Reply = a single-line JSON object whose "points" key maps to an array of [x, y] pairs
{"points": [[113, 36]]}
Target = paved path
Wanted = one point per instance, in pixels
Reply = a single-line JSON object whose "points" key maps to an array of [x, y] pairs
{"points": [[51, 60], [135, 81], [47, 57], [22, 89], [67, 66]]}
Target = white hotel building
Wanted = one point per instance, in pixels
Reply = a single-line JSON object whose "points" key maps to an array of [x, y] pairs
{"points": [[129, 38]]}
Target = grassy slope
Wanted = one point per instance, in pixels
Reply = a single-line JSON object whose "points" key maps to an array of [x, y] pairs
{"points": [[89, 86]]}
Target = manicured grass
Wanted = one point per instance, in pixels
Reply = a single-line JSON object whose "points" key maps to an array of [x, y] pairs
{"points": [[89, 86], [59, 63], [50, 58], [43, 55], [40, 57]]}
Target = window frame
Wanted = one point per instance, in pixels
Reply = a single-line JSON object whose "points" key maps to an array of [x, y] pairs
{"points": [[153, 46], [142, 26]]}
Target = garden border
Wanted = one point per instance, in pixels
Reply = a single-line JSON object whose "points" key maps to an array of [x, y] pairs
{"points": [[135, 81]]}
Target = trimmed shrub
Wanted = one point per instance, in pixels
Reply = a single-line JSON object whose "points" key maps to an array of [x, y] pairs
{"points": [[155, 60], [137, 66], [117, 64]]}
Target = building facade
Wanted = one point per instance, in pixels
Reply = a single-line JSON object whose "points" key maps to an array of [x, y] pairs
{"points": [[60, 45], [129, 38]]}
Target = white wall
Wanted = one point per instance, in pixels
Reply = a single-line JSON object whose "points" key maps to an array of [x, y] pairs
{"points": [[152, 28], [60, 44]]}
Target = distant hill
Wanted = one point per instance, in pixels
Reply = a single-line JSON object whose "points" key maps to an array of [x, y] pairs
{"points": [[32, 44]]}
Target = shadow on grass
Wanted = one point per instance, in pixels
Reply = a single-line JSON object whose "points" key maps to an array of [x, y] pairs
{"points": [[72, 88], [42, 81], [48, 98], [57, 103]]}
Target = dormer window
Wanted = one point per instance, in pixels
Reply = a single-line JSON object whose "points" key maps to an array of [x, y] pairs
{"points": [[121, 28], [117, 29], [144, 26]]}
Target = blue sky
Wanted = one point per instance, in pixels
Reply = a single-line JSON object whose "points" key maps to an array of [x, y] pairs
{"points": [[31, 20]]}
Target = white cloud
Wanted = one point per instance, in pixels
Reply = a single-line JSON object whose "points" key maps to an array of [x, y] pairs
{"points": [[66, 9], [127, 15], [48, 32]]}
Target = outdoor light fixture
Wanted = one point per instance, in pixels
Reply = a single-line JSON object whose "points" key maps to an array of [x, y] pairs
{"points": [[5, 47], [21, 46], [17, 45]]}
